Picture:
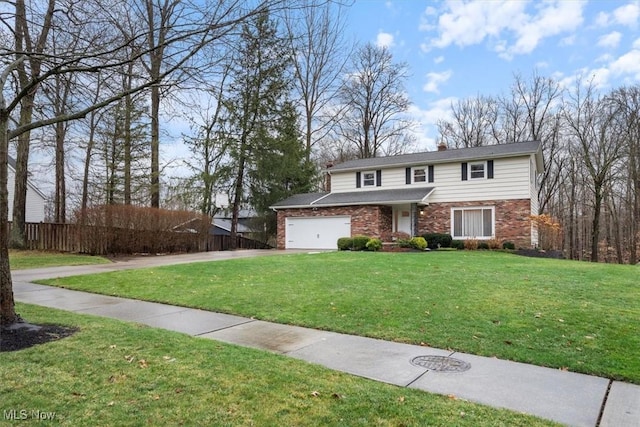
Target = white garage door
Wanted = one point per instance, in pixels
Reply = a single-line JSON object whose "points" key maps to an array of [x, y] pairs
{"points": [[316, 232]]}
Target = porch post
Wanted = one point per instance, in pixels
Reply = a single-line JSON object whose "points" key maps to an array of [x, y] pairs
{"points": [[414, 219]]}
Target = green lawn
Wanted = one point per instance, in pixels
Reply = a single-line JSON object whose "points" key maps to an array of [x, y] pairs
{"points": [[21, 260], [564, 314], [113, 373]]}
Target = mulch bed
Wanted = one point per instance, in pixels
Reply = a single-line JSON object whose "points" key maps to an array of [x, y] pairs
{"points": [[19, 338], [538, 253]]}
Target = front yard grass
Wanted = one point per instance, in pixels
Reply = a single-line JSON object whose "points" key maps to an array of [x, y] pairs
{"points": [[21, 260], [564, 314], [112, 373]]}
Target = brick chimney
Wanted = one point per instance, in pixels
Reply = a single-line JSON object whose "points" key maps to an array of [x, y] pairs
{"points": [[442, 146]]}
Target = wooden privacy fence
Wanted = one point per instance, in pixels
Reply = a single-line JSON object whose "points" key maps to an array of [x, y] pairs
{"points": [[97, 240]]}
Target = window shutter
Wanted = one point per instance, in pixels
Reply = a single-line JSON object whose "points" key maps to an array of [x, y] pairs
{"points": [[489, 169], [407, 174], [430, 172], [358, 180], [464, 171], [378, 178]]}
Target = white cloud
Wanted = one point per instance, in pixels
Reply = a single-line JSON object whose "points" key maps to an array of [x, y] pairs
{"points": [[434, 80], [610, 41], [602, 19], [426, 132], [554, 19], [627, 65], [568, 41], [525, 24], [384, 40], [438, 59], [627, 15], [636, 44]]}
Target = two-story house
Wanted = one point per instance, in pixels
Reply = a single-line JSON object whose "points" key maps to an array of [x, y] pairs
{"points": [[471, 193]]}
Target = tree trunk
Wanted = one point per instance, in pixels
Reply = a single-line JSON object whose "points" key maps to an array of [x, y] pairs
{"points": [[7, 304], [128, 106], [595, 225], [155, 146], [237, 201], [17, 239], [61, 191]]}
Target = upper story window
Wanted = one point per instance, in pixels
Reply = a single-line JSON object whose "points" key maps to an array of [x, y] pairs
{"points": [[368, 179], [476, 170], [419, 174]]}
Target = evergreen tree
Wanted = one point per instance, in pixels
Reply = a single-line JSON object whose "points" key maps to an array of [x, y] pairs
{"points": [[258, 110], [281, 168]]}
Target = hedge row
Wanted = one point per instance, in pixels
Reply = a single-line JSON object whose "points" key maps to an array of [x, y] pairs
{"points": [[359, 243], [432, 241]]}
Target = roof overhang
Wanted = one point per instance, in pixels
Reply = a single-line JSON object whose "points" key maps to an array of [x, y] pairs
{"points": [[360, 198], [498, 151]]}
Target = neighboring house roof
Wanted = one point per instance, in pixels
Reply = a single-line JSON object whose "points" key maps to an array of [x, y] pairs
{"points": [[242, 213], [446, 156], [306, 200], [225, 224]]}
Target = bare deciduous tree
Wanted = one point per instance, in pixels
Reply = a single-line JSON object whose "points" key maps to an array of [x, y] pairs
{"points": [[315, 35], [108, 53], [373, 120]]}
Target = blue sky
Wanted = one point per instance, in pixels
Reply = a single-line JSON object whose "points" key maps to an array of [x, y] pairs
{"points": [[459, 49]]}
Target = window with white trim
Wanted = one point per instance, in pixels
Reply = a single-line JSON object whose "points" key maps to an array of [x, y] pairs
{"points": [[473, 223], [368, 179], [476, 170], [419, 175]]}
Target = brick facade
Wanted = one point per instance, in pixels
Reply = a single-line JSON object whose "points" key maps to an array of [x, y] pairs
{"points": [[512, 222], [373, 221]]}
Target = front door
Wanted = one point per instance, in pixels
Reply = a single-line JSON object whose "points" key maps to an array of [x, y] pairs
{"points": [[402, 219]]}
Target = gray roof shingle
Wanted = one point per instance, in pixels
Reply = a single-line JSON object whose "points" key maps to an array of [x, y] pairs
{"points": [[299, 200], [409, 195], [449, 155]]}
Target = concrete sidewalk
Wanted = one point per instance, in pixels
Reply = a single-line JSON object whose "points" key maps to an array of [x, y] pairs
{"points": [[566, 397]]}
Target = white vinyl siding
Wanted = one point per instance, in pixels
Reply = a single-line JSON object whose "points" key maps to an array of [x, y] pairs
{"points": [[511, 180], [472, 223], [35, 201]]}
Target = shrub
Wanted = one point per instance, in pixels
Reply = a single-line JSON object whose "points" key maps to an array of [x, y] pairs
{"points": [[438, 240], [494, 243], [360, 243], [483, 245], [508, 245], [458, 244], [345, 243], [403, 243], [374, 244], [418, 243], [471, 244]]}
